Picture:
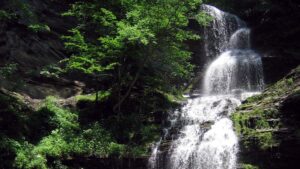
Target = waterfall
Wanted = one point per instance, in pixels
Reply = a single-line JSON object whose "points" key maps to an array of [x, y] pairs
{"points": [[219, 31], [200, 134], [234, 70]]}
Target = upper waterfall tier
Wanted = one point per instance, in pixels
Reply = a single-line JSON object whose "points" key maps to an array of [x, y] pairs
{"points": [[236, 66], [217, 34]]}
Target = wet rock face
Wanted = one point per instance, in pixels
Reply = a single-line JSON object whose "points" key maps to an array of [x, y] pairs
{"points": [[269, 126], [275, 34], [33, 51], [196, 46], [276, 67], [288, 151], [290, 107]]}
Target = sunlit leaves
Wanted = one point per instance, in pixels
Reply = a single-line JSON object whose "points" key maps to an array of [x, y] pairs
{"points": [[203, 18], [134, 33], [130, 34], [76, 42]]}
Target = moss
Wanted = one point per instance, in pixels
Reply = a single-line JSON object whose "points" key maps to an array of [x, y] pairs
{"points": [[265, 140], [102, 95], [290, 81], [6, 15], [251, 126], [39, 28], [254, 99], [245, 106], [259, 118], [249, 166], [173, 98]]}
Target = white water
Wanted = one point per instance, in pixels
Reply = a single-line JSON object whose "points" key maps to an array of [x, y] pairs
{"points": [[234, 70], [218, 33], [205, 138], [240, 39]]}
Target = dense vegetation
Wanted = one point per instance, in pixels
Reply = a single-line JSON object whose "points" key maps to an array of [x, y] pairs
{"points": [[135, 63], [134, 59]]}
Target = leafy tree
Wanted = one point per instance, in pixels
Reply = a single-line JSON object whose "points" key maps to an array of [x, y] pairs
{"points": [[137, 45]]}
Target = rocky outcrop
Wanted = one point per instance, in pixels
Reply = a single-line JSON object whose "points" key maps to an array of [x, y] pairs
{"points": [[32, 51], [268, 125]]}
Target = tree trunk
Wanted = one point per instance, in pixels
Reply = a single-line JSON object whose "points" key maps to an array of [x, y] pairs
{"points": [[137, 75]]}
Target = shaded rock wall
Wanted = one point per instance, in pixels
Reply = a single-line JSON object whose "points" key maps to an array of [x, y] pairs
{"points": [[268, 125], [34, 51], [276, 35]]}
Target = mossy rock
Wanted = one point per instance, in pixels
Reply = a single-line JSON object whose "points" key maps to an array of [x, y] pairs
{"points": [[267, 124]]}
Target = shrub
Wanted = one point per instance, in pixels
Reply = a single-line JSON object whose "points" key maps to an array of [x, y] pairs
{"points": [[67, 139], [39, 28], [5, 16], [27, 158], [115, 149], [249, 166]]}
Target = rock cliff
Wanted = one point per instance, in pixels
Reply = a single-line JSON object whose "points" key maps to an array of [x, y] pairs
{"points": [[268, 125]]}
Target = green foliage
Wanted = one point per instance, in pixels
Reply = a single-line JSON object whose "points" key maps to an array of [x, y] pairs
{"points": [[26, 158], [134, 43], [24, 13], [122, 46], [116, 149], [8, 70], [10, 73], [249, 166], [290, 81], [20, 11], [86, 58], [39, 28], [6, 16], [51, 71], [95, 141], [203, 19], [253, 125], [139, 151], [102, 95], [136, 52], [8, 147], [254, 99], [149, 133], [67, 139], [62, 118]]}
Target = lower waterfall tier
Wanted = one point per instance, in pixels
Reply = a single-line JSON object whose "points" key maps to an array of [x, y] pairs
{"points": [[205, 138]]}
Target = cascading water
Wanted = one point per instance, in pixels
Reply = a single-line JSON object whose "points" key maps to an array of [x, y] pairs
{"points": [[205, 138], [233, 70], [219, 31]]}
